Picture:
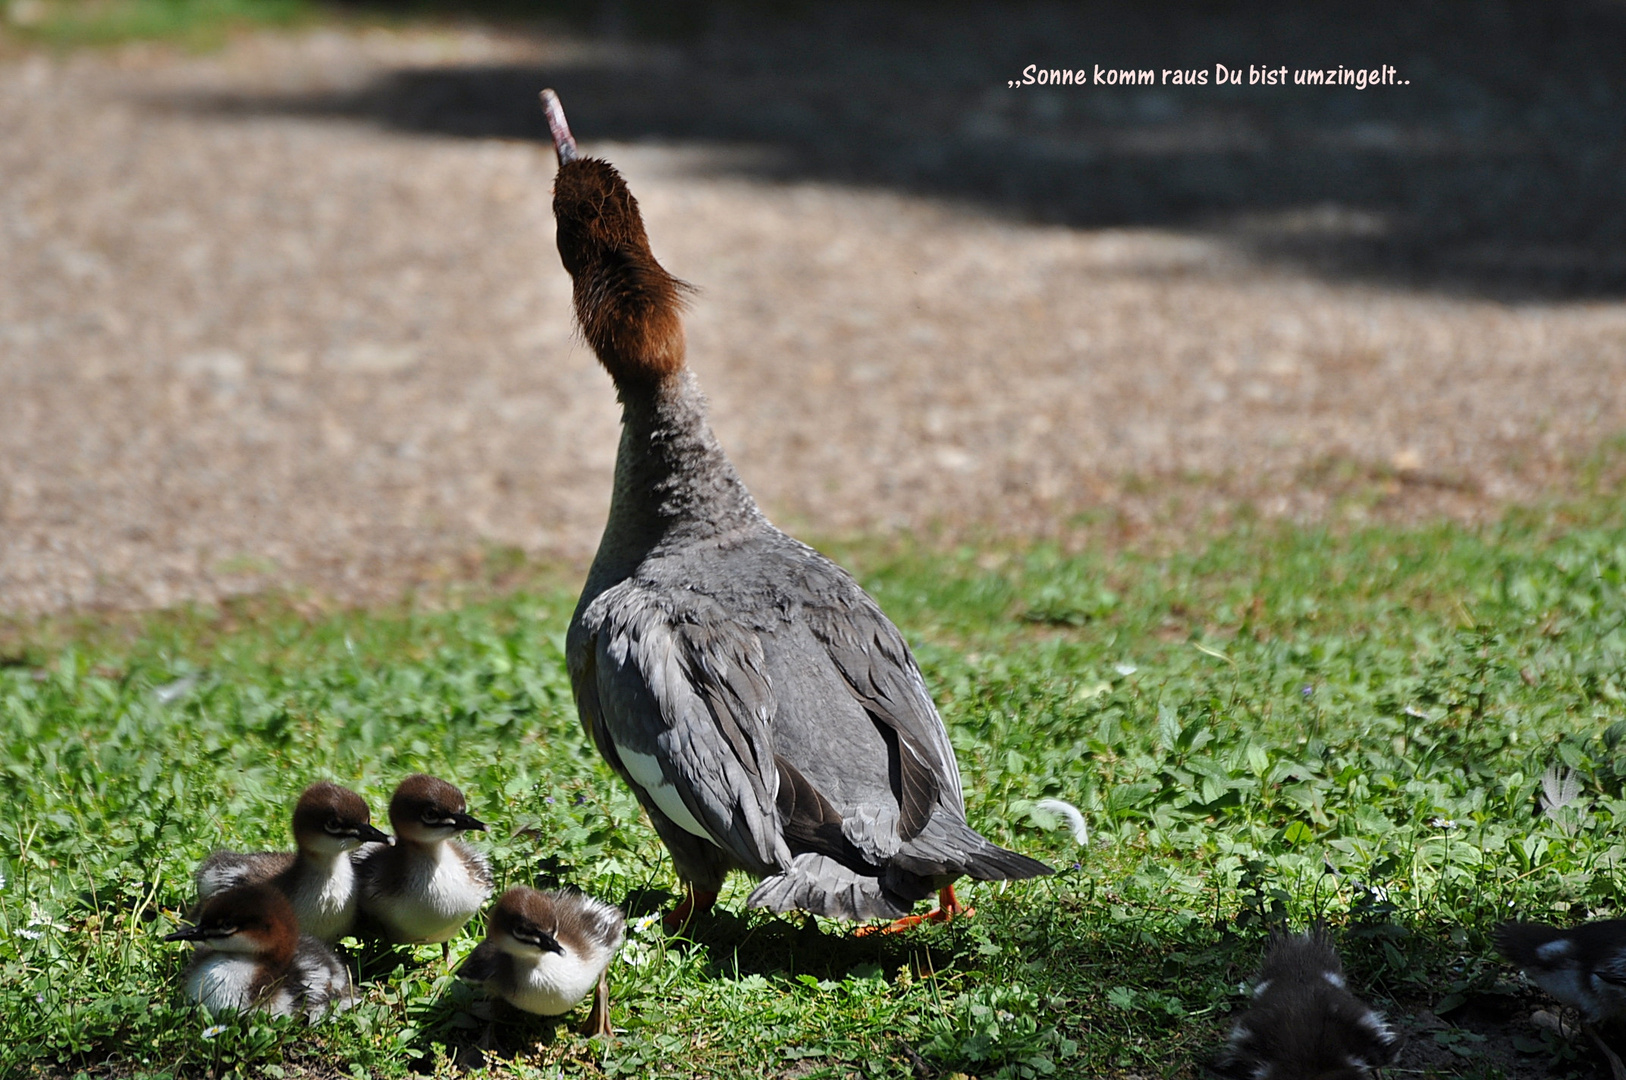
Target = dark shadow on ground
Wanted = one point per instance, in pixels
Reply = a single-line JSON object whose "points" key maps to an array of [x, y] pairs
{"points": [[1500, 170], [735, 946]]}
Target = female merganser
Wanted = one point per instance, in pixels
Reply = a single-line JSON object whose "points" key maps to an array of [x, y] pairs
{"points": [[545, 951], [251, 955], [318, 879], [766, 714], [428, 885], [1304, 1023]]}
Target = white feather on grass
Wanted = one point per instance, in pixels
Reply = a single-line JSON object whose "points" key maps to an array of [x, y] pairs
{"points": [[1070, 814]]}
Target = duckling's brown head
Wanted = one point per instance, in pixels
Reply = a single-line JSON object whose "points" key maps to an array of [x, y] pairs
{"points": [[427, 809], [254, 919], [333, 819], [525, 920], [628, 306]]}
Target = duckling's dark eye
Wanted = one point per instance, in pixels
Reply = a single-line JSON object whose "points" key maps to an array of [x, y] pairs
{"points": [[335, 827]]}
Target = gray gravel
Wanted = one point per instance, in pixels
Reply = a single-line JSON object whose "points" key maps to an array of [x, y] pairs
{"points": [[248, 348]]}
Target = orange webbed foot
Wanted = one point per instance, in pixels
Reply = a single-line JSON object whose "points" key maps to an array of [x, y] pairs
{"points": [[948, 909]]}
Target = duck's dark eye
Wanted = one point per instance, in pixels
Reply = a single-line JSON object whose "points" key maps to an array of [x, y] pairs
{"points": [[335, 827]]}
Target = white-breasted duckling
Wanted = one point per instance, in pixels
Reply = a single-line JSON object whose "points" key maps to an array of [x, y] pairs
{"points": [[545, 951], [251, 956], [318, 879], [1584, 967], [1304, 1023], [429, 884]]}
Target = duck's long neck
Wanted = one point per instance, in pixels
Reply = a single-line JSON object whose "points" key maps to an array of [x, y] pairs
{"points": [[673, 483]]}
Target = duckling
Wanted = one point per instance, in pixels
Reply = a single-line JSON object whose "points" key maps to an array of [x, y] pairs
{"points": [[251, 956], [544, 951], [1583, 967], [318, 879], [428, 885], [1304, 1023]]}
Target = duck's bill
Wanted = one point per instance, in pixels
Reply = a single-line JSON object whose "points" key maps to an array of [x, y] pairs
{"points": [[540, 938], [564, 145]]}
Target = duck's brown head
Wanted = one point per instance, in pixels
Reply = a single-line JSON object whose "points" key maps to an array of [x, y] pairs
{"points": [[628, 306]]}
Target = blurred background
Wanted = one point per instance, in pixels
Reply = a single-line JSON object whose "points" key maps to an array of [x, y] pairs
{"points": [[280, 307]]}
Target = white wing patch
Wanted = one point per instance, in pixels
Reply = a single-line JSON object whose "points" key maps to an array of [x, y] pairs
{"points": [[1374, 1022], [646, 770], [1554, 950]]}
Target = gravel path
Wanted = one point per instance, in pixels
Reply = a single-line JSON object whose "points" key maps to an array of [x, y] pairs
{"points": [[254, 331]]}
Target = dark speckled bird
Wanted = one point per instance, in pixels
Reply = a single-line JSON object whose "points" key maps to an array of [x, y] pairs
{"points": [[1304, 1023], [766, 713], [1583, 967]]}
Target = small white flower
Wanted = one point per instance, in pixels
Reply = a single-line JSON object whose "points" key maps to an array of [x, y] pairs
{"points": [[643, 924], [1443, 823], [212, 1030], [1125, 668], [36, 917], [31, 935]]}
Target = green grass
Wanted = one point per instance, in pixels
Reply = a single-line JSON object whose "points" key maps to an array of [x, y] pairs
{"points": [[194, 23], [1267, 724], [206, 24]]}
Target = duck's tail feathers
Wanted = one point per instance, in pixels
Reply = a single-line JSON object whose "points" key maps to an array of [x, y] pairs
{"points": [[818, 884], [995, 863], [949, 847]]}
